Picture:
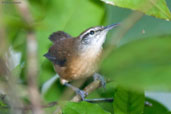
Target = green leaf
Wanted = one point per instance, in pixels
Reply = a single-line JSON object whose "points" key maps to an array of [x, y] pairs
{"points": [[147, 26], [141, 64], [156, 108], [128, 101], [83, 108], [157, 8]]}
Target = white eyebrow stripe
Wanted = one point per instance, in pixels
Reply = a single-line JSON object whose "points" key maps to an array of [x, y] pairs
{"points": [[96, 29]]}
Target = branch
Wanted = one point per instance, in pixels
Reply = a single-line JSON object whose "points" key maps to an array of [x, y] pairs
{"points": [[125, 26], [88, 89], [4, 99], [3, 41], [122, 30], [30, 107], [32, 65], [8, 84], [100, 100]]}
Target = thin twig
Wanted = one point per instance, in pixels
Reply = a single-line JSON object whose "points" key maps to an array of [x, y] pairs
{"points": [[51, 104], [30, 107], [101, 100], [88, 89], [32, 65], [129, 22], [125, 26], [3, 42], [32, 73], [3, 98], [9, 87], [68, 93]]}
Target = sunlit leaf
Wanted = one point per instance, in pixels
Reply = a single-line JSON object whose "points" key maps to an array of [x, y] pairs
{"points": [[157, 8], [147, 26]]}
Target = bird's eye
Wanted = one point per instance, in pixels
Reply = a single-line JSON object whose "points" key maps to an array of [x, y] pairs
{"points": [[91, 32]]}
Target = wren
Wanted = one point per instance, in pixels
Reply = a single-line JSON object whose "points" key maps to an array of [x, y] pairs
{"points": [[77, 58]]}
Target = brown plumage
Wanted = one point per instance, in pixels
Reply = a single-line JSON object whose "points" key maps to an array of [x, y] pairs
{"points": [[68, 63], [76, 58]]}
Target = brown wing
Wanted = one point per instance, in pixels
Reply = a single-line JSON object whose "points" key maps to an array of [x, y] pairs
{"points": [[60, 51], [59, 35], [55, 53]]}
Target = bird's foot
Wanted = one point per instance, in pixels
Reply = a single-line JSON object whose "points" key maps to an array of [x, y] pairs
{"points": [[82, 94], [97, 76]]}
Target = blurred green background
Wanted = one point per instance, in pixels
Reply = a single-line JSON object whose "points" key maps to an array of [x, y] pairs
{"points": [[141, 62]]}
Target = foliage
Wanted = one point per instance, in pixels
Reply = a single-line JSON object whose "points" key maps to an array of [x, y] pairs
{"points": [[140, 62], [157, 8], [156, 105], [146, 66], [83, 108], [128, 102]]}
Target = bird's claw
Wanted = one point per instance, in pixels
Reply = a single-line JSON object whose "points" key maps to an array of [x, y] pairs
{"points": [[82, 94], [101, 78]]}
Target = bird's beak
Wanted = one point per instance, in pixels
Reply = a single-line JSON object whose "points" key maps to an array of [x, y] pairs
{"points": [[109, 27]]}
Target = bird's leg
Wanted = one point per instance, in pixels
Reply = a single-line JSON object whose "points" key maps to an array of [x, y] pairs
{"points": [[97, 76], [82, 93]]}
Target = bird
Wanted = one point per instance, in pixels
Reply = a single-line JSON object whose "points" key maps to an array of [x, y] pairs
{"points": [[78, 57]]}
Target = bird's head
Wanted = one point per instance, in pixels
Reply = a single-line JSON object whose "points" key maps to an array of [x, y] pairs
{"points": [[94, 37]]}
